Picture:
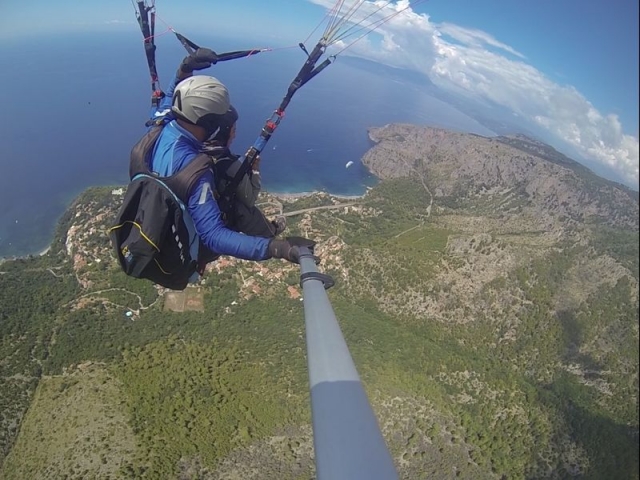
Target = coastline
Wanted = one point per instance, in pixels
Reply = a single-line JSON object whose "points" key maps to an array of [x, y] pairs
{"points": [[25, 257], [297, 195], [285, 196]]}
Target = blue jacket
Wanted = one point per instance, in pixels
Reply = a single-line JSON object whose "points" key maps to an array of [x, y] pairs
{"points": [[175, 148]]}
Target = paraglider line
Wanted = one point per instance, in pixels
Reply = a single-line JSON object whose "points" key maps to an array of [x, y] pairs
{"points": [[355, 25], [151, 37], [165, 23], [372, 26], [326, 15]]}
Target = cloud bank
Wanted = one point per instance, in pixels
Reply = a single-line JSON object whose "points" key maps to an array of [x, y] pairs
{"points": [[473, 63]]}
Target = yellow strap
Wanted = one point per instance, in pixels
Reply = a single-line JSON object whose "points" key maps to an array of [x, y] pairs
{"points": [[141, 232]]}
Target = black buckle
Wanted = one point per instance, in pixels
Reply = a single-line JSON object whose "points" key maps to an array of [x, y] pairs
{"points": [[326, 280]]}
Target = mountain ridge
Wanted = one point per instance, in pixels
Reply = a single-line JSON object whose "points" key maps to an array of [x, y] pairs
{"points": [[469, 164], [495, 331]]}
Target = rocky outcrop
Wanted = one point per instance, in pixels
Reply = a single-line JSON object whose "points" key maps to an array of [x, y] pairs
{"points": [[531, 175]]}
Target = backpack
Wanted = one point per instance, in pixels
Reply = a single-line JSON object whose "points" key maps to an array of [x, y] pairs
{"points": [[151, 238], [225, 189]]}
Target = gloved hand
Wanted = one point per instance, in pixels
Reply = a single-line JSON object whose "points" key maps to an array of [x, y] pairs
{"points": [[200, 59], [289, 248]]}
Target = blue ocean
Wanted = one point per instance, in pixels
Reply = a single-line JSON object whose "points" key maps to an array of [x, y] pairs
{"points": [[73, 106]]}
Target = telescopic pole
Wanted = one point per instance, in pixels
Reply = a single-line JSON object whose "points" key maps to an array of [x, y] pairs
{"points": [[347, 439]]}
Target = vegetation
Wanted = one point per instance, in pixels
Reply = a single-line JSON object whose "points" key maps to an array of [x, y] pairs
{"points": [[485, 355], [622, 245]]}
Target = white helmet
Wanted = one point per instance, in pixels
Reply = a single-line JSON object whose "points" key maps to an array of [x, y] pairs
{"points": [[202, 101]]}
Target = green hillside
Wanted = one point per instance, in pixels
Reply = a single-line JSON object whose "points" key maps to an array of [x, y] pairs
{"points": [[489, 346]]}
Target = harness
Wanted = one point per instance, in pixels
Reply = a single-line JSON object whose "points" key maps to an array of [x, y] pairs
{"points": [[153, 236], [180, 183], [225, 189]]}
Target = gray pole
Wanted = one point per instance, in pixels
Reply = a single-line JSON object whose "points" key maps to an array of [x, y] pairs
{"points": [[347, 439]]}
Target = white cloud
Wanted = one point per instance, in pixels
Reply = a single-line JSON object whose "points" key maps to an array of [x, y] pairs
{"points": [[467, 66], [475, 38]]}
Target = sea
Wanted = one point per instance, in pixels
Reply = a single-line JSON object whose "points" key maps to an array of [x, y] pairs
{"points": [[74, 104]]}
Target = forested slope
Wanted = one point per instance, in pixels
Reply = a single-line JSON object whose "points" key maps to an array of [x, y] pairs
{"points": [[494, 341]]}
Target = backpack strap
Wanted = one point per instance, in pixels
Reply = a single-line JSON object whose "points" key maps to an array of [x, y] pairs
{"points": [[222, 160], [140, 158], [221, 169], [182, 182]]}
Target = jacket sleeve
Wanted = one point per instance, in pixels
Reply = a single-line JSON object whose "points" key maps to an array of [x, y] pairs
{"points": [[248, 188], [212, 231]]}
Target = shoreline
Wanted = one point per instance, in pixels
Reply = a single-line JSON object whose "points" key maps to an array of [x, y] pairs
{"points": [[296, 195], [25, 257], [286, 196]]}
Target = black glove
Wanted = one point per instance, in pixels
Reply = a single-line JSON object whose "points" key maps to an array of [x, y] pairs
{"points": [[198, 60], [289, 248]]}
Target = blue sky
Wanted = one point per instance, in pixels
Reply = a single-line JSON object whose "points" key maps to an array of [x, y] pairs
{"points": [[591, 44], [569, 67]]}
